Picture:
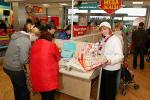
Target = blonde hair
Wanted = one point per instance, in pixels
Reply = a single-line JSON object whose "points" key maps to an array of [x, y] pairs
{"points": [[36, 31]]}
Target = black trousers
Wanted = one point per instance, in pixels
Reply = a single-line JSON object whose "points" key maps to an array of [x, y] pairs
{"points": [[18, 80], [138, 50], [50, 95], [108, 86]]}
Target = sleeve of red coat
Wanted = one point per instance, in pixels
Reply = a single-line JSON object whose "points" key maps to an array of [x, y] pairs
{"points": [[56, 52]]}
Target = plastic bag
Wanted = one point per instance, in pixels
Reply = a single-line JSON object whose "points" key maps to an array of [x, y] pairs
{"points": [[89, 57]]}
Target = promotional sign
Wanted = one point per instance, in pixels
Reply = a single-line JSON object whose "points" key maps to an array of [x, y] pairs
{"points": [[55, 19], [80, 30], [110, 6]]}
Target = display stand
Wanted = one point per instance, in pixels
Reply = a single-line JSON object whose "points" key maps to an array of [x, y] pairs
{"points": [[77, 84], [74, 83]]}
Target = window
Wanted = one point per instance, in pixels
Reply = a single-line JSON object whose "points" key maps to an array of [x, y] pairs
{"points": [[132, 11], [76, 11], [97, 11]]}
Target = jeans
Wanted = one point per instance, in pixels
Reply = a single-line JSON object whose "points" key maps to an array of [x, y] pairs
{"points": [[138, 50], [18, 80]]}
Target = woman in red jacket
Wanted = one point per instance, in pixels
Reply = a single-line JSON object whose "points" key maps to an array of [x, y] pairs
{"points": [[44, 68]]}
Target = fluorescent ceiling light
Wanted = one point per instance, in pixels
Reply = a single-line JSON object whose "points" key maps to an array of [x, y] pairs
{"points": [[45, 5], [137, 2], [63, 4]]}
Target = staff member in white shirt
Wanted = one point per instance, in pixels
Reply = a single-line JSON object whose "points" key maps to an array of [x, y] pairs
{"points": [[111, 48]]}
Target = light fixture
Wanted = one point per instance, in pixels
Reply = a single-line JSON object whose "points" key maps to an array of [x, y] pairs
{"points": [[63, 4], [137, 2], [45, 5]]}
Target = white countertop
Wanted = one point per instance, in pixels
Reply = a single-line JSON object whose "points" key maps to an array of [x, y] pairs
{"points": [[84, 75]]}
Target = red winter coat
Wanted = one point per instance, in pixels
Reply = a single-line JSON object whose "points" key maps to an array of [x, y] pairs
{"points": [[44, 69]]}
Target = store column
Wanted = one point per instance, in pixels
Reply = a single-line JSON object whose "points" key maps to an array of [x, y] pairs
{"points": [[148, 17], [61, 16], [19, 14]]}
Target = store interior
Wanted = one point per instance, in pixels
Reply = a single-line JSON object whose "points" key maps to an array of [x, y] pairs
{"points": [[84, 16]]}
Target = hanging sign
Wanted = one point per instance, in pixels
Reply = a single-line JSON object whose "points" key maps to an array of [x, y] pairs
{"points": [[89, 6], [110, 6]]}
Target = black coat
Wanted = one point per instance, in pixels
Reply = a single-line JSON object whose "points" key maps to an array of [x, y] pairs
{"points": [[140, 37]]}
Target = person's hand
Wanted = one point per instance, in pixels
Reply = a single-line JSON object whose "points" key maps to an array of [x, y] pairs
{"points": [[107, 63], [59, 49]]}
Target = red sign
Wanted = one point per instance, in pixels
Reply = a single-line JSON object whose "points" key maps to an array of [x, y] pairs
{"points": [[55, 19], [110, 6], [80, 30]]}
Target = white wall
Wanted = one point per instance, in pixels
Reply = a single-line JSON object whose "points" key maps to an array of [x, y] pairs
{"points": [[53, 11]]}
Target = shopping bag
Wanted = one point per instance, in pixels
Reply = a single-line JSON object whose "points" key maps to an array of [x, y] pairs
{"points": [[90, 58]]}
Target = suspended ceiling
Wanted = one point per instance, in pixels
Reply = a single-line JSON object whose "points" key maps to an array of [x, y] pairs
{"points": [[55, 2]]}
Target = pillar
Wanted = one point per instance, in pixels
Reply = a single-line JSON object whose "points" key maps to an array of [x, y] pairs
{"points": [[61, 16], [148, 18], [19, 14]]}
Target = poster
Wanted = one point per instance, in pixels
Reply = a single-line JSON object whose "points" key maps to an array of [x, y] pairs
{"points": [[80, 30], [55, 19]]}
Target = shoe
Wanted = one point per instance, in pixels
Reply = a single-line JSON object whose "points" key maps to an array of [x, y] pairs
{"points": [[141, 68]]}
